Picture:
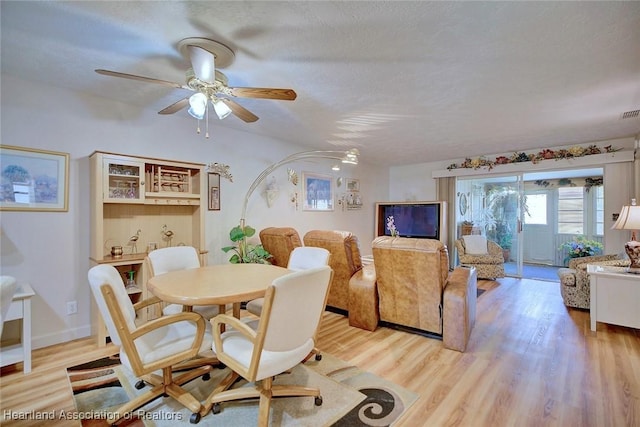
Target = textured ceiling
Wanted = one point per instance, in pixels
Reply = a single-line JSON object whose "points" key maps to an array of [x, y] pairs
{"points": [[405, 82]]}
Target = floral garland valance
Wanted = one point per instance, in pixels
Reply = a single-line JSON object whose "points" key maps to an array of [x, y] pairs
{"points": [[587, 183], [545, 154]]}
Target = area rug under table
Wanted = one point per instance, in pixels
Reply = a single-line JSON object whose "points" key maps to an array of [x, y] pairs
{"points": [[351, 397]]}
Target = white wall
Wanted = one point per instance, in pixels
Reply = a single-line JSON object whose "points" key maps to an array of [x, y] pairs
{"points": [[51, 250]]}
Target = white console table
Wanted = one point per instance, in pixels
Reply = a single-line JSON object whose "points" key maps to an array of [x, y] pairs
{"points": [[20, 309], [615, 296]]}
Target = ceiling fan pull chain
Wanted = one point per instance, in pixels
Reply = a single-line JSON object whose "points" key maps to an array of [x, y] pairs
{"points": [[206, 135], [198, 126]]}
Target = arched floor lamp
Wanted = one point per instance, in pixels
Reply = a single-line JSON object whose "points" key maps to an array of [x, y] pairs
{"points": [[348, 157]]}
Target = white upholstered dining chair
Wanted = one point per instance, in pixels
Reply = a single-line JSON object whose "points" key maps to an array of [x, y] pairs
{"points": [[293, 307], [8, 286], [302, 258], [175, 258], [159, 344]]}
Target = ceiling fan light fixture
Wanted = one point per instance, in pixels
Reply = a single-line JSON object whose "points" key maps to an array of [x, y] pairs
{"points": [[222, 109], [197, 105]]}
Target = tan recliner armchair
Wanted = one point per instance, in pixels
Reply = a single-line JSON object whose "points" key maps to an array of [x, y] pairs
{"points": [[345, 261], [417, 291], [279, 242]]}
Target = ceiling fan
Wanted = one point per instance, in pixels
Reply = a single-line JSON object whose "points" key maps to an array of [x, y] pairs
{"points": [[209, 84]]}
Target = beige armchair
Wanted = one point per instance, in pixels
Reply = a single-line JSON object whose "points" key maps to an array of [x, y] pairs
{"points": [[345, 261], [417, 291], [575, 287], [489, 265], [279, 242]]}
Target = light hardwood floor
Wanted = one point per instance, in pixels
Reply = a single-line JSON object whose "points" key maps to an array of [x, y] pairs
{"points": [[530, 362]]}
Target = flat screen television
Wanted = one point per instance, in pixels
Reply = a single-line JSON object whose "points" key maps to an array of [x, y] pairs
{"points": [[420, 220]]}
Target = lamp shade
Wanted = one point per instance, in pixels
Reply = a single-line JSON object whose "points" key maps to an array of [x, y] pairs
{"points": [[197, 105], [629, 218], [222, 109]]}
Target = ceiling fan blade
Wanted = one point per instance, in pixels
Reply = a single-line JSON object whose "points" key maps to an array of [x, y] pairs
{"points": [[175, 107], [240, 112], [142, 79], [266, 93], [203, 63]]}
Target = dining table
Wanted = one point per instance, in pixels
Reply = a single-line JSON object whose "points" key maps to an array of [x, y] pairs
{"points": [[218, 284]]}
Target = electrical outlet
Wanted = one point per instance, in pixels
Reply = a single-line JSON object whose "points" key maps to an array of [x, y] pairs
{"points": [[72, 307]]}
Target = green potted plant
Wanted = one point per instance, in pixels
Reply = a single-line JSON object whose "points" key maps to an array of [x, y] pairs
{"points": [[504, 238], [245, 252]]}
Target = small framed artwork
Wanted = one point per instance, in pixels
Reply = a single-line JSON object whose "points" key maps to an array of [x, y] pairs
{"points": [[214, 191], [353, 184], [317, 192], [33, 180], [354, 201]]}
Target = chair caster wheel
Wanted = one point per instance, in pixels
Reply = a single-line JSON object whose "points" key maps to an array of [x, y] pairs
{"points": [[206, 377], [318, 357], [216, 408], [221, 365], [195, 418], [139, 385], [318, 400]]}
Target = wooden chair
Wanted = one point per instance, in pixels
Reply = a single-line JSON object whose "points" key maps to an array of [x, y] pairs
{"points": [[159, 344], [302, 258], [286, 331]]}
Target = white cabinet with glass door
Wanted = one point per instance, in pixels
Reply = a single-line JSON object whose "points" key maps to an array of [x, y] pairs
{"points": [[123, 180]]}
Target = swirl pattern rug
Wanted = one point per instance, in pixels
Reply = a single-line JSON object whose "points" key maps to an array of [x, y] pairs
{"points": [[351, 397]]}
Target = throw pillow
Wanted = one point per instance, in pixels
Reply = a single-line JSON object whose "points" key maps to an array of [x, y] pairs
{"points": [[475, 244]]}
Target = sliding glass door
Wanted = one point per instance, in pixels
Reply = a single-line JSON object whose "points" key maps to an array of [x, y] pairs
{"points": [[544, 209], [496, 211]]}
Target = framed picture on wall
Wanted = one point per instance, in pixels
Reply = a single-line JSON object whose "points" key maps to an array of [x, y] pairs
{"points": [[214, 191], [33, 180], [353, 184], [317, 192]]}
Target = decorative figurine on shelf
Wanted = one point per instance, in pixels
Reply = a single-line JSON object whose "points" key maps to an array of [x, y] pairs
{"points": [[133, 241], [167, 235]]}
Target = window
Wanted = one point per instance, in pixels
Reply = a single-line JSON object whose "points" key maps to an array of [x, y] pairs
{"points": [[537, 209], [571, 210], [598, 193]]}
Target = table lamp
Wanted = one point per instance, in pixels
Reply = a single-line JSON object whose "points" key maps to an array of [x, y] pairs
{"points": [[629, 219]]}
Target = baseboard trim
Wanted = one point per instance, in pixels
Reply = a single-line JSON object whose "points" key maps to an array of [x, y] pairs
{"points": [[61, 337]]}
